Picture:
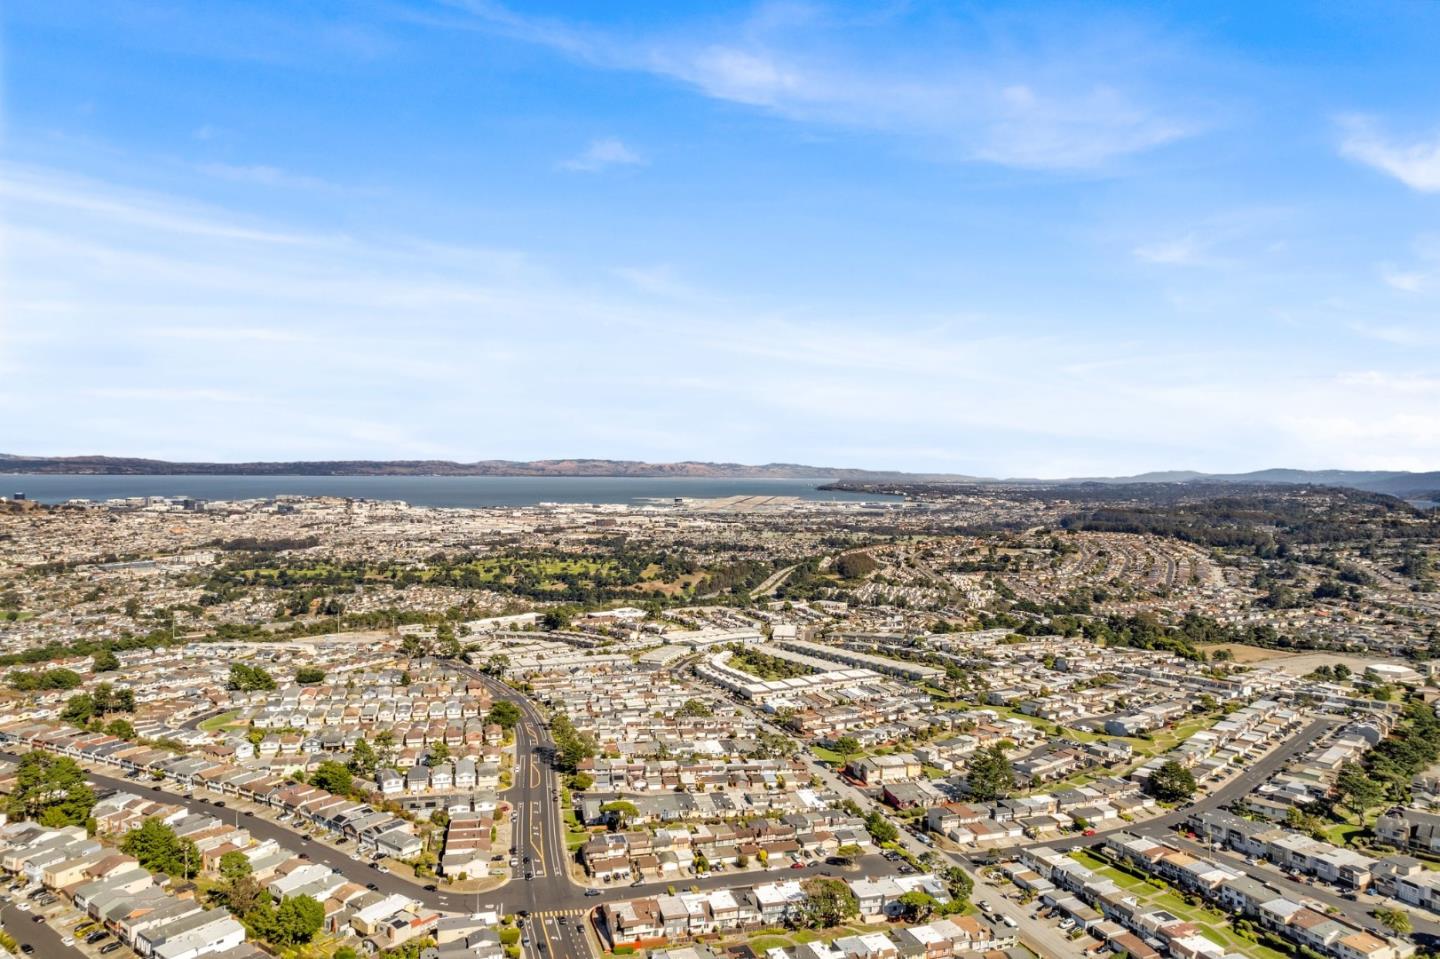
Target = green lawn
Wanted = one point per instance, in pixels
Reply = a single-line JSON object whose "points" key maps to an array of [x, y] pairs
{"points": [[217, 722], [1341, 833]]}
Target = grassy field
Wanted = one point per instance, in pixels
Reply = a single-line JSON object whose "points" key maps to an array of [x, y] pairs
{"points": [[221, 721]]}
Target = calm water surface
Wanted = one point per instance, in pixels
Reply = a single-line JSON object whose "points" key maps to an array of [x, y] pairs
{"points": [[462, 491]]}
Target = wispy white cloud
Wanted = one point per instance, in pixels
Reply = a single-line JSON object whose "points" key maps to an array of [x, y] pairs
{"points": [[29, 188], [1182, 251], [1415, 163], [659, 280], [1396, 334], [602, 154], [1056, 105], [1392, 382], [264, 175], [169, 394]]}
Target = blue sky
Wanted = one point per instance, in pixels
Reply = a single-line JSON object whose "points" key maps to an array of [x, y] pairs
{"points": [[1008, 239]]}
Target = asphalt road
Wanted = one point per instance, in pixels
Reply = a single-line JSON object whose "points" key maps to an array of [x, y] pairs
{"points": [[44, 940]]}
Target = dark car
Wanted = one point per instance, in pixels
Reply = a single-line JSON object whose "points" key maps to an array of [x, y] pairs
{"points": [[529, 876], [95, 937], [38, 919], [27, 948], [371, 886], [111, 948], [220, 803], [249, 812], [155, 788], [430, 888]]}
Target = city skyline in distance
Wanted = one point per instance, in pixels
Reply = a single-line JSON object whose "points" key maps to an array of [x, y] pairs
{"points": [[1005, 242]]}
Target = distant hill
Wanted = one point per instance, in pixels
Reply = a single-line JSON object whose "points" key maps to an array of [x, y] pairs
{"points": [[1395, 483], [130, 466]]}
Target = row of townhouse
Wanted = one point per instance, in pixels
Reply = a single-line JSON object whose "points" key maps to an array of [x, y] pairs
{"points": [[672, 775], [456, 733], [115, 890], [1234, 741], [370, 713], [676, 851], [462, 776], [1400, 876], [654, 919], [372, 830], [700, 807], [941, 938], [1243, 895], [1097, 804]]}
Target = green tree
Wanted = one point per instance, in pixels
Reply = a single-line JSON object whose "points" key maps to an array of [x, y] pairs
{"points": [[1357, 790], [959, 885], [621, 812], [50, 790], [246, 678], [384, 749], [828, 902], [1395, 919], [989, 775], [104, 661], [333, 777], [917, 905], [1172, 782], [120, 728], [437, 753], [297, 920], [32, 681], [848, 747], [79, 709], [363, 759], [694, 708], [504, 713], [556, 619], [234, 866], [309, 675], [881, 829], [157, 848]]}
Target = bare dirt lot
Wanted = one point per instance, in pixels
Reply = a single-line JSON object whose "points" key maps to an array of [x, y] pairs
{"points": [[1296, 664]]}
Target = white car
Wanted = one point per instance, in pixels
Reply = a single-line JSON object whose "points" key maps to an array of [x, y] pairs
{"points": [[1009, 922], [67, 941], [23, 907]]}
